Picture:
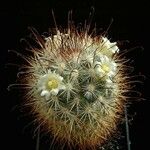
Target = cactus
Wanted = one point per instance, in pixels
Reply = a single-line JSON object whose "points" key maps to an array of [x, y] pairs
{"points": [[76, 87]]}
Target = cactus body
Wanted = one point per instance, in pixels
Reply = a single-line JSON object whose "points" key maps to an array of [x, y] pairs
{"points": [[76, 85]]}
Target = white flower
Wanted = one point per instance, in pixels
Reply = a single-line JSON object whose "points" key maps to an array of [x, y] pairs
{"points": [[106, 44], [105, 67], [56, 39], [50, 84], [107, 48]]}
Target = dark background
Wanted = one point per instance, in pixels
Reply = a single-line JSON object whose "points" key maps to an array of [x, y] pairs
{"points": [[130, 23]]}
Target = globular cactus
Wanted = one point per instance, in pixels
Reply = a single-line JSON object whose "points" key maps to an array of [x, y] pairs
{"points": [[76, 84]]}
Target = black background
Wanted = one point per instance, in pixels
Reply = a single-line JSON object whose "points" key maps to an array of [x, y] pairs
{"points": [[130, 23]]}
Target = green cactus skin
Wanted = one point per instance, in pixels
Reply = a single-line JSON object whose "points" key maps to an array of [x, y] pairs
{"points": [[76, 87]]}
